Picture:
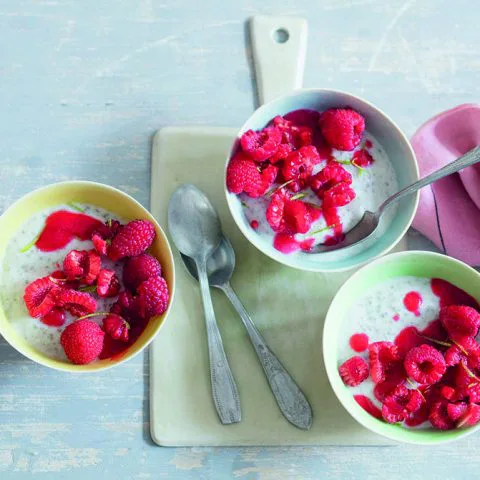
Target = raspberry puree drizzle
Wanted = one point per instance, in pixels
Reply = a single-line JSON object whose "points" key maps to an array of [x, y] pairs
{"points": [[359, 342], [412, 302]]}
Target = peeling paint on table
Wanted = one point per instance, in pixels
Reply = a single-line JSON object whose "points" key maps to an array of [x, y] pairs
{"points": [[83, 87]]}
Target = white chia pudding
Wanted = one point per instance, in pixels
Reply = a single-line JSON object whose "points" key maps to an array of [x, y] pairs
{"points": [[21, 268]]}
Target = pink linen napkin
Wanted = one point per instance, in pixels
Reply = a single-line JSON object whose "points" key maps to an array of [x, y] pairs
{"points": [[449, 210]]}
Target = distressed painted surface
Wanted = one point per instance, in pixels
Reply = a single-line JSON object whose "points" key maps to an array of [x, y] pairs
{"points": [[84, 85]]}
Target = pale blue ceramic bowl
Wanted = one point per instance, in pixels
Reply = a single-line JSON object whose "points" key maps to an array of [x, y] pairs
{"points": [[383, 129]]}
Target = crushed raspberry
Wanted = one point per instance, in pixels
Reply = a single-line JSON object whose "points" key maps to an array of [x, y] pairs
{"points": [[361, 158], [77, 303], [298, 167], [447, 392], [254, 224], [54, 318], [407, 339], [453, 356], [460, 320], [435, 331], [332, 174], [359, 342], [452, 295], [40, 296], [127, 306], [261, 145], [338, 196], [245, 176], [153, 296], [82, 265], [116, 327], [107, 283], [100, 244], [438, 416], [342, 128], [140, 268], [417, 418], [353, 371], [289, 216], [282, 153], [383, 356], [368, 406], [82, 341], [425, 364], [132, 239]]}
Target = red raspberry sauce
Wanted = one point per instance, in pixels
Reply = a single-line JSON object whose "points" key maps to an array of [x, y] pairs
{"points": [[368, 406], [254, 224], [368, 144], [396, 317], [63, 226], [286, 243], [359, 342], [412, 302]]}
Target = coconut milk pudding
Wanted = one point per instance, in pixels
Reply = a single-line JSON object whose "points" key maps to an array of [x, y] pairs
{"points": [[408, 353], [77, 285], [308, 177]]}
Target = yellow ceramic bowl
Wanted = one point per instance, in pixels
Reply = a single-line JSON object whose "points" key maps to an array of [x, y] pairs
{"points": [[119, 204]]}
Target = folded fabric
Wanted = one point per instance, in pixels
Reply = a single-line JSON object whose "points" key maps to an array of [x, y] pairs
{"points": [[449, 210]]}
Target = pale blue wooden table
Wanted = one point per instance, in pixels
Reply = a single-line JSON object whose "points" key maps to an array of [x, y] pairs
{"points": [[84, 85]]}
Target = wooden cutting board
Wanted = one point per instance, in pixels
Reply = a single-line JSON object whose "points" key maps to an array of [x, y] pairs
{"points": [[287, 305]]}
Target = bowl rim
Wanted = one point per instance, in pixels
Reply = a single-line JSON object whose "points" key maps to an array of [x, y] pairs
{"points": [[284, 258], [90, 368], [369, 422]]}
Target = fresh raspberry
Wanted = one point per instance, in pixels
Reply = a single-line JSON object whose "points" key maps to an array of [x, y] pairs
{"points": [[39, 296], [108, 229], [368, 406], [394, 376], [425, 364], [435, 331], [464, 377], [338, 196], [452, 295], [447, 392], [353, 371], [298, 167], [460, 320], [342, 128], [470, 417], [107, 283], [261, 145], [83, 265], [127, 306], [100, 244], [245, 176], [297, 131], [332, 174], [59, 278], [453, 356], [82, 341], [132, 239], [383, 358], [116, 327], [54, 318], [282, 153], [456, 410], [400, 404], [472, 392], [289, 216], [77, 303], [153, 296], [439, 418], [417, 418], [361, 158], [140, 268]]}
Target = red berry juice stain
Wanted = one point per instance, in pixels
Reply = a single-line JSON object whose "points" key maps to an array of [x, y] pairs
{"points": [[368, 144], [359, 342], [396, 317], [451, 295], [368, 406], [63, 226], [254, 224], [412, 302]]}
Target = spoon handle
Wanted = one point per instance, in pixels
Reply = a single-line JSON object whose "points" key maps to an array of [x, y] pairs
{"points": [[224, 389], [290, 398], [470, 158]]}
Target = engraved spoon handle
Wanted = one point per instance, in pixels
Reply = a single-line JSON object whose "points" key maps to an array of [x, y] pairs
{"points": [[470, 158], [224, 389], [290, 398]]}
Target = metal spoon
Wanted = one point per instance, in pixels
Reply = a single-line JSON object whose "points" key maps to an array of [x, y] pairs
{"points": [[290, 398], [370, 220], [195, 229]]}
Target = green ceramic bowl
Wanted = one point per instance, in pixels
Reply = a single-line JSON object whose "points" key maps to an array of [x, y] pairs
{"points": [[119, 204], [416, 263]]}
